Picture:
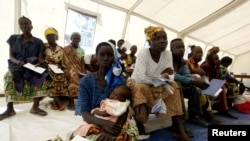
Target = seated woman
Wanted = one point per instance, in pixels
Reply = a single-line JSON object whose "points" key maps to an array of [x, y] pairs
{"points": [[21, 84], [53, 55], [97, 86], [212, 68], [73, 62], [110, 109], [152, 62]]}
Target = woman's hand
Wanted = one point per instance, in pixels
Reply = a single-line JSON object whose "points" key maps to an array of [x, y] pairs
{"points": [[109, 126], [38, 64], [106, 137], [112, 128], [116, 128], [200, 82], [20, 63], [169, 71], [200, 71], [165, 75]]}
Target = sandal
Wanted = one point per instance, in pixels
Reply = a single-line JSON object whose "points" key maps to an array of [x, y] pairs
{"points": [[53, 105], [71, 107], [189, 133], [62, 107], [178, 137], [6, 115], [216, 122], [38, 112]]}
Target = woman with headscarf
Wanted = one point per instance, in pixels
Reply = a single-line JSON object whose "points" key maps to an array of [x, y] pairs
{"points": [[97, 86], [73, 62], [156, 61], [212, 68], [21, 84], [53, 55]]}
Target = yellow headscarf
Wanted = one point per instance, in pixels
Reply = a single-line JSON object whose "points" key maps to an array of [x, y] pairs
{"points": [[150, 31], [49, 31]]}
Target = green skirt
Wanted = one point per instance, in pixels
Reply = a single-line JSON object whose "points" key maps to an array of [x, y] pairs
{"points": [[28, 93]]}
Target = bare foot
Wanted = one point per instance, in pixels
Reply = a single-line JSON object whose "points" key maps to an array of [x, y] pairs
{"points": [[38, 111], [7, 114], [53, 105]]}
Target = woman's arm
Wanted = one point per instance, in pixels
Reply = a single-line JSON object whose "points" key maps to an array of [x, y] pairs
{"points": [[100, 113], [108, 126], [13, 59], [40, 59], [108, 136]]}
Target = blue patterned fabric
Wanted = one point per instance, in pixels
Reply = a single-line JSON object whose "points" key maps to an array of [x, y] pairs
{"points": [[91, 94], [22, 51], [114, 74]]}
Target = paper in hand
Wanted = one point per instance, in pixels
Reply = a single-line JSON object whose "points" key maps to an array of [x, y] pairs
{"points": [[34, 68], [214, 87]]}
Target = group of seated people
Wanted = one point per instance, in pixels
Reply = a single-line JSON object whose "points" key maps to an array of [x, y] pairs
{"points": [[24, 85], [106, 98]]}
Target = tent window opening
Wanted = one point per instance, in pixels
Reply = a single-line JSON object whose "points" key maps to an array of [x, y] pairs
{"points": [[84, 24]]}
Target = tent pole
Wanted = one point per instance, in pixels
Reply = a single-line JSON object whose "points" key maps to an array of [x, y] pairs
{"points": [[17, 16]]}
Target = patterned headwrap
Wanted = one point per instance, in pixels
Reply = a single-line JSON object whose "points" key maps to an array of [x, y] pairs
{"points": [[49, 31], [151, 30], [213, 50]]}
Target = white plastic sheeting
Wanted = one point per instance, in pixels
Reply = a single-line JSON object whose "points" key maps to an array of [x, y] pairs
{"points": [[207, 23]]}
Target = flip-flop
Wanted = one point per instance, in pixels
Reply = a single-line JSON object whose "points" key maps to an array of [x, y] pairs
{"points": [[39, 112], [178, 137], [53, 105], [72, 108], [62, 107], [6, 115]]}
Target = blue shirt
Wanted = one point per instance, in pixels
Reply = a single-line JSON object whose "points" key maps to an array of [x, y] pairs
{"points": [[183, 76], [91, 94], [22, 51]]}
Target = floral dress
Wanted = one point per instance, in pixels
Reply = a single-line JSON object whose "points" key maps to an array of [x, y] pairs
{"points": [[57, 82]]}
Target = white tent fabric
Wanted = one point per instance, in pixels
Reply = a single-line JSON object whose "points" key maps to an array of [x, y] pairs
{"points": [[206, 23]]}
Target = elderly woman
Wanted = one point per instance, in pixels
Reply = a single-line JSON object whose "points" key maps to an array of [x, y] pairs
{"points": [[98, 86], [73, 62], [53, 55], [153, 62], [23, 85]]}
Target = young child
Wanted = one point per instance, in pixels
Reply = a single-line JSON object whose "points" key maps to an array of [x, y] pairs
{"points": [[110, 109]]}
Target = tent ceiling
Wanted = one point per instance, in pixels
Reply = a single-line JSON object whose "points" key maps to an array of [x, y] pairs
{"points": [[223, 23]]}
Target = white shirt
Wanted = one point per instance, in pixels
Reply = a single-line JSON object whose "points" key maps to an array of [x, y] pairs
{"points": [[146, 67]]}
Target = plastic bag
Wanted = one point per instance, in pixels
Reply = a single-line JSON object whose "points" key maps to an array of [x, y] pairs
{"points": [[159, 107]]}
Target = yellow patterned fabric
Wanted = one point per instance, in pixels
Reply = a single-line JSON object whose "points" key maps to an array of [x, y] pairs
{"points": [[151, 30], [143, 94]]}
